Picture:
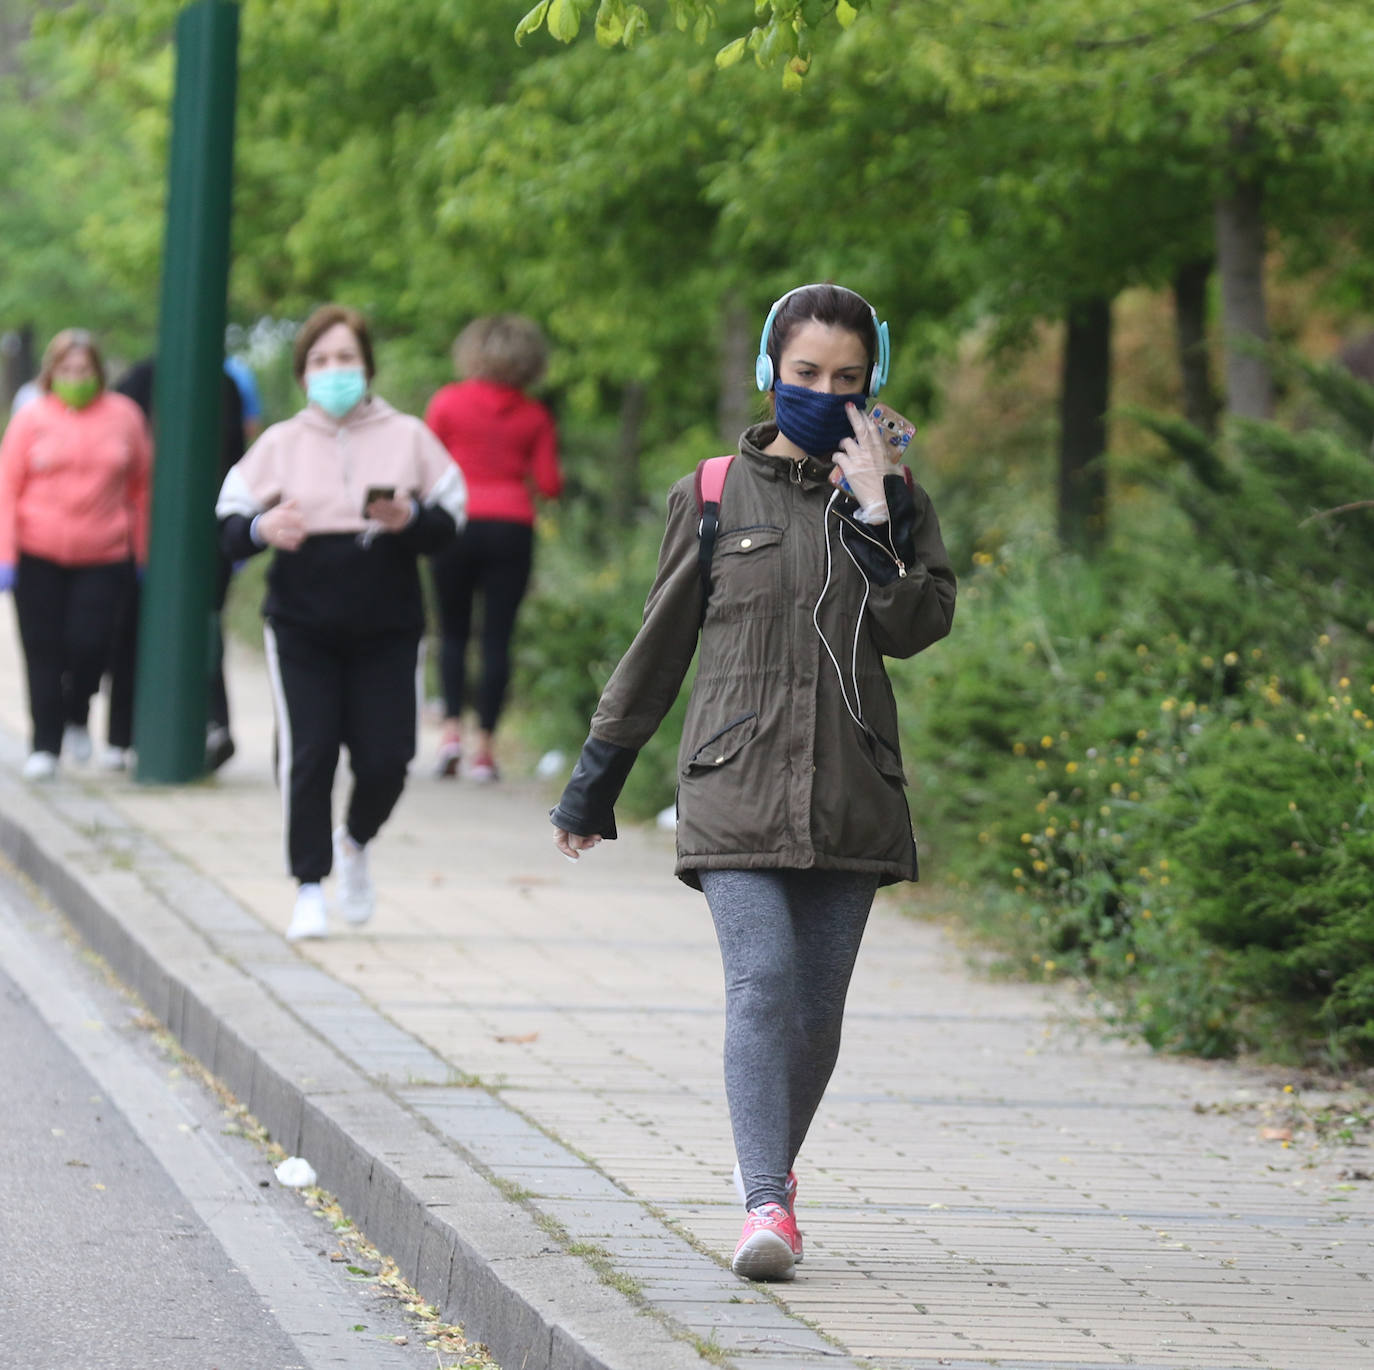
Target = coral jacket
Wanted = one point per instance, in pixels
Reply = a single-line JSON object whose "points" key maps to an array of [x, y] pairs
{"points": [[74, 483], [503, 442]]}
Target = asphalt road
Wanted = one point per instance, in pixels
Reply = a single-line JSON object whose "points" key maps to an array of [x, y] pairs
{"points": [[135, 1234]]}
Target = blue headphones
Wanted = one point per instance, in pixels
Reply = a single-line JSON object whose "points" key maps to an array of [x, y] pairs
{"points": [[763, 366]]}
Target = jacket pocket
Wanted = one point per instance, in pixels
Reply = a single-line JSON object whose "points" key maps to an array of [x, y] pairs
{"points": [[746, 573], [722, 744]]}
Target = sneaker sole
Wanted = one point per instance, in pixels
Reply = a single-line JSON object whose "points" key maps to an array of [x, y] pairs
{"points": [[790, 1205], [765, 1256]]}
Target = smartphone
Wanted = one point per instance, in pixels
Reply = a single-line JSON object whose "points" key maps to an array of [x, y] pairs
{"points": [[897, 432], [377, 492]]}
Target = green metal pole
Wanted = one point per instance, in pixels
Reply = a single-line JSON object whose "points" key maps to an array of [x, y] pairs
{"points": [[172, 689]]}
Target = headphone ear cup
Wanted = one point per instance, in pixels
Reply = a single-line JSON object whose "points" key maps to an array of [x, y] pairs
{"points": [[874, 382], [763, 371]]}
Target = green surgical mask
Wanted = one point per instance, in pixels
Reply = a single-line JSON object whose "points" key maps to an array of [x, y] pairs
{"points": [[76, 394]]}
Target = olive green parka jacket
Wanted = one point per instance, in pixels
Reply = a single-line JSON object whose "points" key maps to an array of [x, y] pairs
{"points": [[774, 771]]}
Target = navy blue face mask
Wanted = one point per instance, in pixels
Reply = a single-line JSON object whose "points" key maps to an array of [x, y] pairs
{"points": [[814, 419]]}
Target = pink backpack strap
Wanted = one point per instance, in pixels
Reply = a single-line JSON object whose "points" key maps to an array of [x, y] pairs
{"points": [[710, 484], [710, 481]]}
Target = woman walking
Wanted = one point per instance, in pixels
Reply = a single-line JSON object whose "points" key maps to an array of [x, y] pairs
{"points": [[349, 493], [74, 472], [791, 809], [507, 447]]}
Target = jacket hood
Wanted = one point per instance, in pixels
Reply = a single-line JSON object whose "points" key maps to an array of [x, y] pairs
{"points": [[753, 440], [372, 409]]}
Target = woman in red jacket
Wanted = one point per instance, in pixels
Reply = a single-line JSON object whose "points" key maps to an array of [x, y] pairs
{"points": [[507, 447], [74, 469]]}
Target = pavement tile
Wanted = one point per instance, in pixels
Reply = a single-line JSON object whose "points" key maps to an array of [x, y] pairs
{"points": [[984, 1183]]}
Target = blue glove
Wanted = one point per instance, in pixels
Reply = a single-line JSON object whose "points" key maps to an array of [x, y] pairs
{"points": [[8, 576]]}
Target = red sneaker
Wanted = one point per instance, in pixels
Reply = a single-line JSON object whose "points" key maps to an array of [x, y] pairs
{"points": [[768, 1245]]}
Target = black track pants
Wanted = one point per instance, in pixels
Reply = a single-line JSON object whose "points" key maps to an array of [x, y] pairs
{"points": [[68, 617], [332, 692]]}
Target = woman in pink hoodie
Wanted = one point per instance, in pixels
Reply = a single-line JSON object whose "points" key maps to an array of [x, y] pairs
{"points": [[349, 493], [74, 470], [507, 447]]}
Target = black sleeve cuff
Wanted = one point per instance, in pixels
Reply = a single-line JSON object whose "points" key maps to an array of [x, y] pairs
{"points": [[587, 807], [236, 538], [900, 531]]}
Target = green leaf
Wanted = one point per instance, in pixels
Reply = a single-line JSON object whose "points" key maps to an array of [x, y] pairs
{"points": [[845, 13], [532, 21], [731, 53], [564, 19], [610, 22]]}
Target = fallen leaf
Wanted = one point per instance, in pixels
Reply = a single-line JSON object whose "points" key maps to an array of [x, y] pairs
{"points": [[524, 1037], [1276, 1134]]}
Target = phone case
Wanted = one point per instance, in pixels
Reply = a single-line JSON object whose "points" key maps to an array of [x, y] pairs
{"points": [[896, 430]]}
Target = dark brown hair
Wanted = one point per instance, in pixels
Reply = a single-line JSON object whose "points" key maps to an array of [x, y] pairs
{"points": [[506, 348], [827, 304], [319, 323], [69, 340]]}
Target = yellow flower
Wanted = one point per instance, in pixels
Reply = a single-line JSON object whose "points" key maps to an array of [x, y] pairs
{"points": [[1019, 749], [1101, 677], [1168, 706], [1025, 837], [1145, 913], [1071, 767], [1344, 682], [1051, 832], [1105, 811], [1047, 741], [1230, 658]]}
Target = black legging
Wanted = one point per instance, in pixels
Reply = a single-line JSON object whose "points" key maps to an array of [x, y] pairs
{"points": [[491, 558], [68, 617]]}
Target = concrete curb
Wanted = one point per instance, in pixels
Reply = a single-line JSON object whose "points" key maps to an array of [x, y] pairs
{"points": [[481, 1258]]}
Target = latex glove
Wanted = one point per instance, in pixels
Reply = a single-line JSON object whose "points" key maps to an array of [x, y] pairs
{"points": [[864, 460], [573, 844], [8, 575], [282, 526]]}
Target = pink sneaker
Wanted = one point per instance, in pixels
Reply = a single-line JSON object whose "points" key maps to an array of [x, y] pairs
{"points": [[450, 755], [789, 1194], [768, 1245], [483, 769]]}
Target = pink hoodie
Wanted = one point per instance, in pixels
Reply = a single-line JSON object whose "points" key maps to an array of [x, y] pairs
{"points": [[328, 466], [74, 482]]}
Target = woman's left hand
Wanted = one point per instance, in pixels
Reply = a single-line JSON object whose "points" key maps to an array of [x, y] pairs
{"points": [[864, 459], [392, 514]]}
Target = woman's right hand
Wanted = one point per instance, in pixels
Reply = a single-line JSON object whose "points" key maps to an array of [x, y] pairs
{"points": [[573, 844], [283, 526]]}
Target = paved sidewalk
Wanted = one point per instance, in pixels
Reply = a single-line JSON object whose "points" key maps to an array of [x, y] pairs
{"points": [[984, 1185]]}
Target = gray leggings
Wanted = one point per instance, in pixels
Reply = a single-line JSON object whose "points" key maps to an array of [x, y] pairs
{"points": [[788, 940]]}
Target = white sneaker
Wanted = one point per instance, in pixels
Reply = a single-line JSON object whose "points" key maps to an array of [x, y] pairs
{"points": [[310, 917], [113, 759], [357, 899], [76, 742], [40, 766]]}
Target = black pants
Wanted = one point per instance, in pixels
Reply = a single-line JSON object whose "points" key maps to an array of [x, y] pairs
{"points": [[492, 559], [68, 617], [124, 664], [332, 692]]}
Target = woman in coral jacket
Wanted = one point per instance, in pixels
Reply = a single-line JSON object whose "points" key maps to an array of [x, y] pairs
{"points": [[74, 475], [507, 447], [350, 493]]}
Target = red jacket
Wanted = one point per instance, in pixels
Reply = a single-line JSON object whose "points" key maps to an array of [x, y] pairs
{"points": [[505, 444], [74, 482]]}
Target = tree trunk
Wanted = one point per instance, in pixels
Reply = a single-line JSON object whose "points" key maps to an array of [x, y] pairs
{"points": [[735, 407], [1200, 403], [1240, 261], [625, 492], [1084, 394]]}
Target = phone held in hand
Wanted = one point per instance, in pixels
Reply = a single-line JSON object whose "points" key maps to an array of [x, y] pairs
{"points": [[897, 432], [377, 492]]}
